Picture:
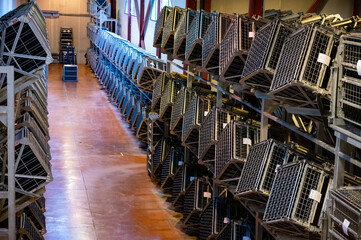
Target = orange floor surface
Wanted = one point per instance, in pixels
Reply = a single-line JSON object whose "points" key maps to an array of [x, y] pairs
{"points": [[101, 189]]}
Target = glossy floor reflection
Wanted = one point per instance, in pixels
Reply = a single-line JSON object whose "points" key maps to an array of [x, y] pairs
{"points": [[101, 189]]}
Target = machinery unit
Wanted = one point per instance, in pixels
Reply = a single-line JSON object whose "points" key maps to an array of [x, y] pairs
{"points": [[212, 41], [296, 199], [264, 54]]}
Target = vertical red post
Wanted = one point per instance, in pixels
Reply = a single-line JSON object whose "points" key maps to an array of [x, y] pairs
{"points": [[141, 23], [158, 12], [356, 8], [129, 20], [255, 7], [113, 12]]}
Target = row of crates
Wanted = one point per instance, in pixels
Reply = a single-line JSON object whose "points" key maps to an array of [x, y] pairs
{"points": [[299, 60], [27, 49]]}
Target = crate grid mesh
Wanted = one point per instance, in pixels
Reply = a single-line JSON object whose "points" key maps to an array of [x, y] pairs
{"points": [[246, 26], [260, 46], [189, 118], [224, 147], [352, 51], [169, 25], [205, 228], [211, 128], [210, 39], [228, 46], [283, 32], [291, 57], [160, 24], [178, 108], [181, 31], [193, 33]]}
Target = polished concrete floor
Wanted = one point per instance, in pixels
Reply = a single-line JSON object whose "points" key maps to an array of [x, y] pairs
{"points": [[101, 189]]}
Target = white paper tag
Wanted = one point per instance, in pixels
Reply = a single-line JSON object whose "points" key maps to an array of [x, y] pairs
{"points": [[251, 34], [205, 113], [315, 195], [224, 125], [207, 195], [324, 59], [226, 220], [277, 166], [247, 141], [358, 67], [345, 225]]}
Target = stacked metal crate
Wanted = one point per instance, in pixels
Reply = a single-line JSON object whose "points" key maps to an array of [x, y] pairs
{"points": [[209, 133], [296, 200], [232, 149], [302, 76], [148, 72], [197, 30], [212, 41], [193, 118], [171, 23], [181, 32], [168, 98], [25, 45], [159, 26], [235, 46], [169, 168], [196, 196], [259, 171], [264, 54], [181, 180], [345, 214], [156, 157], [179, 107], [158, 91], [346, 89]]}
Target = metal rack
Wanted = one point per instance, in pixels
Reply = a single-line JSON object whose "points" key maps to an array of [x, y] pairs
{"points": [[171, 23], [168, 98], [179, 107], [159, 26]]}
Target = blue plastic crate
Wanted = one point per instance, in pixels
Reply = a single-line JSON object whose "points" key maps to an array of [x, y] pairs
{"points": [[70, 73]]}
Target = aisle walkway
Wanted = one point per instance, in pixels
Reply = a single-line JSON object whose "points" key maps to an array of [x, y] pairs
{"points": [[100, 188]]}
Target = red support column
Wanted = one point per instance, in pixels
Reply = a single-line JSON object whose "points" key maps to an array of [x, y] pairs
{"points": [[255, 7], [158, 12], [356, 8], [141, 24], [113, 12], [129, 20]]}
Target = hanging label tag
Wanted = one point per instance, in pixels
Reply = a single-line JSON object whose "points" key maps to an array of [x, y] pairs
{"points": [[251, 34], [345, 225], [324, 59], [207, 195], [224, 125], [358, 67], [226, 220], [247, 141], [277, 166], [315, 195], [205, 113]]}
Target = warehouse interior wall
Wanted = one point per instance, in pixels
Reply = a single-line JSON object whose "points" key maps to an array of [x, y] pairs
{"points": [[344, 8], [78, 23]]}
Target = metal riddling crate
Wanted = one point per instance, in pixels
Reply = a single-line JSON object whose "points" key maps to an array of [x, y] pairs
{"points": [[197, 30], [235, 46], [192, 119], [180, 35], [296, 199], [212, 41], [156, 157], [30, 106], [159, 26], [33, 170], [173, 19], [205, 222], [141, 127], [259, 171], [180, 105], [170, 165], [24, 41], [181, 180], [302, 75], [196, 197], [36, 214], [148, 72], [135, 115], [232, 149], [346, 87], [209, 132], [158, 91], [155, 130], [27, 229], [130, 108], [345, 213], [126, 101], [264, 54], [168, 98]]}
